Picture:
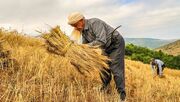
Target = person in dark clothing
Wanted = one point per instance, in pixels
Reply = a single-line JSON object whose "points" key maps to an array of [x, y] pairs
{"points": [[96, 32]]}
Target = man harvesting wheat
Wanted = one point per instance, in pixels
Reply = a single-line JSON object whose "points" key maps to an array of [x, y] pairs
{"points": [[156, 63], [96, 32]]}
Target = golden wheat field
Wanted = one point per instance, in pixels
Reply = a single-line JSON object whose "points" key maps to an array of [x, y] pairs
{"points": [[38, 76]]}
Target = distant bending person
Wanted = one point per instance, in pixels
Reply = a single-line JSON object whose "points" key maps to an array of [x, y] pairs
{"points": [[156, 63]]}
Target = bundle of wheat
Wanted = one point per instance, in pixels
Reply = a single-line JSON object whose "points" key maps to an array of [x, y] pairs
{"points": [[83, 57]]}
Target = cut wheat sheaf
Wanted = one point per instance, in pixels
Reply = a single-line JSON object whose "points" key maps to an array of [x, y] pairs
{"points": [[83, 57]]}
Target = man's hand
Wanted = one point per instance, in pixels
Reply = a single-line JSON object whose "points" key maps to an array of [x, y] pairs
{"points": [[97, 49]]}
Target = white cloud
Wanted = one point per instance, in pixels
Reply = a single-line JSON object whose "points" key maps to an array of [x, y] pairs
{"points": [[158, 17]]}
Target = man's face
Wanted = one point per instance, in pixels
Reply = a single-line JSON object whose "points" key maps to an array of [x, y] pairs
{"points": [[79, 25]]}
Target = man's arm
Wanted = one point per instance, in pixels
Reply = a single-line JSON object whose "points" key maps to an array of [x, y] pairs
{"points": [[84, 40], [152, 66]]}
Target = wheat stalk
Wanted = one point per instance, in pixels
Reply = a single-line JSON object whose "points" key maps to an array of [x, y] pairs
{"points": [[83, 57]]}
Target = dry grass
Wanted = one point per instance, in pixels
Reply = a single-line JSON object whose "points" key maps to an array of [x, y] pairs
{"points": [[45, 77]]}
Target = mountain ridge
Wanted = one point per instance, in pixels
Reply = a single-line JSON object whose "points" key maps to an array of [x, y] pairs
{"points": [[172, 48], [151, 43]]}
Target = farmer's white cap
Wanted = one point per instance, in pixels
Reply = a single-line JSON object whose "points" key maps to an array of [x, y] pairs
{"points": [[74, 17]]}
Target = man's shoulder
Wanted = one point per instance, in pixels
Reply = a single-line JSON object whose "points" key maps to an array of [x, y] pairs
{"points": [[159, 61], [94, 20]]}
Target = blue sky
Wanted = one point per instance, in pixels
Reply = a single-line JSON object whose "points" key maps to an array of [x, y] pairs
{"points": [[139, 18], [127, 1]]}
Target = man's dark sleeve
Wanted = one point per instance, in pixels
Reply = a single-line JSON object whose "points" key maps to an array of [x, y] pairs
{"points": [[100, 32], [84, 41]]}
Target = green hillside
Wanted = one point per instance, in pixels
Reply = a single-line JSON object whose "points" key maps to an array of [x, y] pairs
{"points": [[143, 54]]}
